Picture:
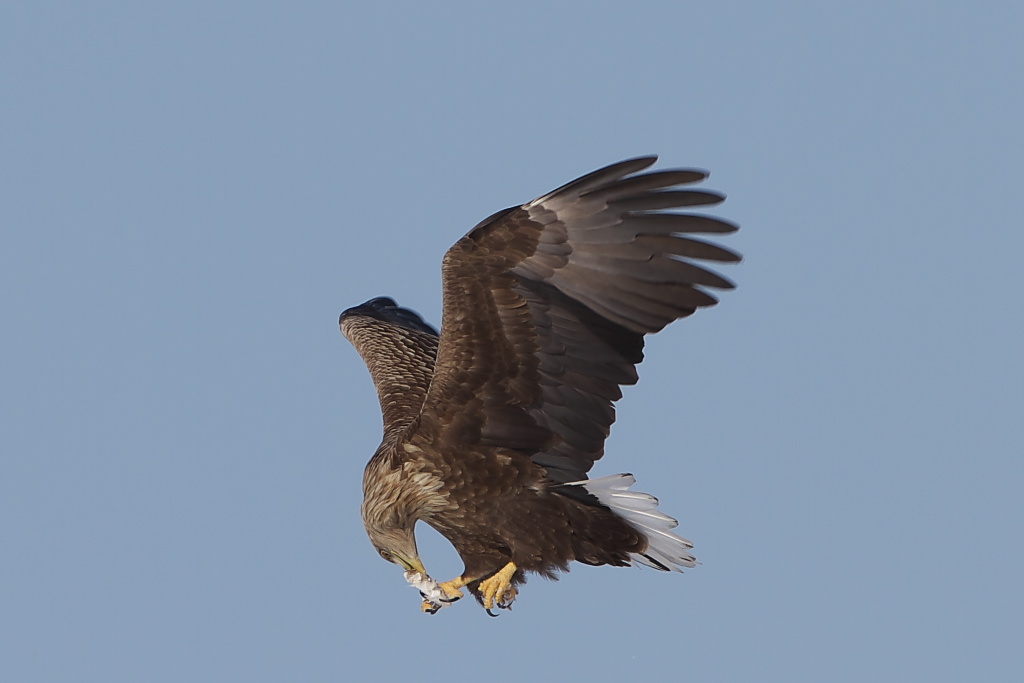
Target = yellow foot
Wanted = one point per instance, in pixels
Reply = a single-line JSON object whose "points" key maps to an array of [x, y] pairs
{"points": [[451, 594], [498, 590]]}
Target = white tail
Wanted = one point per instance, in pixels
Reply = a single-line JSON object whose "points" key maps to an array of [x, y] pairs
{"points": [[665, 550]]}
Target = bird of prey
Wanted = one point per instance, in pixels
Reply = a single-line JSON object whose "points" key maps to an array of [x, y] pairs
{"points": [[491, 427]]}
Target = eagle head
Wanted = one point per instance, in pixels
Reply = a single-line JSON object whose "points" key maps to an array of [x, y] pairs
{"points": [[391, 530]]}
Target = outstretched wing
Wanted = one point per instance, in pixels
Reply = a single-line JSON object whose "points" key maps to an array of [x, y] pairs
{"points": [[546, 306], [398, 348]]}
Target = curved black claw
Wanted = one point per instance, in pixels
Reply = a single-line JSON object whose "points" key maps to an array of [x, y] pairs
{"points": [[490, 613], [434, 607]]}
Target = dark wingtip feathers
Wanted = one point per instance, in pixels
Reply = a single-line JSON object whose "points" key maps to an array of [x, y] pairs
{"points": [[602, 176]]}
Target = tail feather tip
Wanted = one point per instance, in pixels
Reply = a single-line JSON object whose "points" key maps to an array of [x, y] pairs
{"points": [[665, 550]]}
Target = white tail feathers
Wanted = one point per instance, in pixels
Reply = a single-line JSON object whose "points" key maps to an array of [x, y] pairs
{"points": [[665, 550]]}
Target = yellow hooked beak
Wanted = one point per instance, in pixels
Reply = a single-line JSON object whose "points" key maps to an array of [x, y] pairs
{"points": [[409, 565], [412, 565]]}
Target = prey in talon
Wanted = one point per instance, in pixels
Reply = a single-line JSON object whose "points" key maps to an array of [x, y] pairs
{"points": [[435, 595], [491, 427]]}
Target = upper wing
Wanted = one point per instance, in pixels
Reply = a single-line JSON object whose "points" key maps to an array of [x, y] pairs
{"points": [[546, 306], [398, 348]]}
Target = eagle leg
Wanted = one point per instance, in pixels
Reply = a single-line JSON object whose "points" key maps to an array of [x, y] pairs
{"points": [[498, 590]]}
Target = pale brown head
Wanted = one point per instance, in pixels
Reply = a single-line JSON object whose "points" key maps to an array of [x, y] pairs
{"points": [[390, 528]]}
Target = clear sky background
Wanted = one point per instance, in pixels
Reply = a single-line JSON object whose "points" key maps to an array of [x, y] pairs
{"points": [[190, 194]]}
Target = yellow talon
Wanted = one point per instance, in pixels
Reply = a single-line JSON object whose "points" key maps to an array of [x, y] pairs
{"points": [[451, 588], [499, 586]]}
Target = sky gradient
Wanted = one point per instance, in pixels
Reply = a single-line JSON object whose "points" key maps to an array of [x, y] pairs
{"points": [[189, 197]]}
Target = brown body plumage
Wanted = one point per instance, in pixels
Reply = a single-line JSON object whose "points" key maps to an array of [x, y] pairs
{"points": [[491, 428]]}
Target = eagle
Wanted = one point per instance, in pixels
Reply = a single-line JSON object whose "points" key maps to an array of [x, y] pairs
{"points": [[491, 426]]}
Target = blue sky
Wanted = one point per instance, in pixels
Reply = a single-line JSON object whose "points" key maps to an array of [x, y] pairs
{"points": [[189, 196]]}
